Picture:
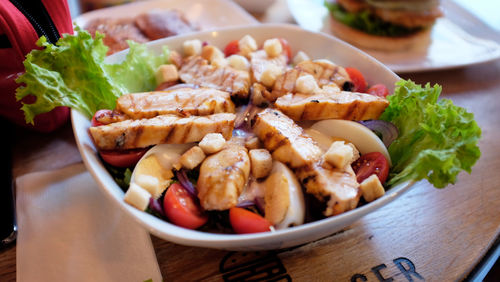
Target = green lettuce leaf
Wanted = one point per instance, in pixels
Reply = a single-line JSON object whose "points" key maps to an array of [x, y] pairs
{"points": [[365, 21], [436, 139], [73, 73]]}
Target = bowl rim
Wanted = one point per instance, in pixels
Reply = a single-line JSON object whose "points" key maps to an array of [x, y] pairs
{"points": [[183, 236]]}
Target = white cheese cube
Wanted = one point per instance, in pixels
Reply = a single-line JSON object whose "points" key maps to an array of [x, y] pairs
{"points": [[261, 162], [300, 57], [137, 196], [339, 154], [166, 73], [238, 62], [192, 47], [253, 143], [306, 84], [270, 74], [192, 157], [150, 184], [371, 188], [273, 47], [212, 143], [219, 62], [247, 45]]}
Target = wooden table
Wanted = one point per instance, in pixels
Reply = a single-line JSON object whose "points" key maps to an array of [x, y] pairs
{"points": [[428, 233]]}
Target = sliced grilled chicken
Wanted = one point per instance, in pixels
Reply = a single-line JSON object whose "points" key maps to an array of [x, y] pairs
{"points": [[338, 186], [325, 72], [196, 70], [332, 105], [292, 146], [259, 61], [222, 178], [164, 129], [183, 102], [284, 139]]}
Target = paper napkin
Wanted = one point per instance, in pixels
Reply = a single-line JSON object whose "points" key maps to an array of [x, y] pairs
{"points": [[69, 231]]}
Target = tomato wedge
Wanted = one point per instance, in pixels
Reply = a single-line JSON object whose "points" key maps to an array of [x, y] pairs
{"points": [[286, 48], [181, 209], [244, 221], [378, 90], [371, 163], [357, 78], [122, 158], [232, 48]]}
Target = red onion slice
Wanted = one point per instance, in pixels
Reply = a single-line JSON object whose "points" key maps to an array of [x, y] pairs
{"points": [[388, 131], [245, 204], [156, 206], [184, 181]]}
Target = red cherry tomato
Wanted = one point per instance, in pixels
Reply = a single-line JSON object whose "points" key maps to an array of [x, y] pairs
{"points": [[244, 221], [357, 78], [286, 48], [232, 48], [122, 158], [378, 90], [181, 209], [95, 119], [371, 163]]}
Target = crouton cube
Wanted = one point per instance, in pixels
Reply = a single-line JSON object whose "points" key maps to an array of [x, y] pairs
{"points": [[192, 47], [166, 73], [371, 188], [137, 196], [270, 74], [273, 47], [355, 152], [253, 143], [238, 62], [306, 84], [261, 162], [175, 58], [247, 45], [339, 154], [192, 157], [212, 143], [300, 57], [211, 53]]}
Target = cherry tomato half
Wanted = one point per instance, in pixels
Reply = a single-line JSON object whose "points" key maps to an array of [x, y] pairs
{"points": [[378, 90], [357, 78], [232, 48], [100, 113], [286, 48], [244, 221], [122, 158], [371, 163], [181, 209]]}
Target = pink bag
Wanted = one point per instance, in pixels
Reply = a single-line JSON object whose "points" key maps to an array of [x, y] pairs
{"points": [[21, 24]]}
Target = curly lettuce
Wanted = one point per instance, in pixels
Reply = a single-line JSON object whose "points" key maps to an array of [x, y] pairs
{"points": [[436, 139], [73, 73], [365, 21]]}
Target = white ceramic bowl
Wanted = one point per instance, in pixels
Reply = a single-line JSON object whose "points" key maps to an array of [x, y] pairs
{"points": [[318, 46]]}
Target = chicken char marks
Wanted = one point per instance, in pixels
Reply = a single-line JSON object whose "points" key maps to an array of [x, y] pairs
{"points": [[163, 129], [290, 145]]}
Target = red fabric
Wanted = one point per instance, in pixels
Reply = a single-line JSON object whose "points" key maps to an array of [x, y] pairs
{"points": [[22, 37]]}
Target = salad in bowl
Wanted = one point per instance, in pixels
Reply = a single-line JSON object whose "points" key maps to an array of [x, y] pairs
{"points": [[248, 138]]}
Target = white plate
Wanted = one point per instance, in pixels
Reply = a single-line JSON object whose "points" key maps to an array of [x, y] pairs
{"points": [[318, 45], [206, 14], [450, 46]]}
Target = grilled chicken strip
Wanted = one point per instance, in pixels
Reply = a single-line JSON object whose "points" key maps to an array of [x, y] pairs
{"points": [[325, 72], [326, 104], [183, 102], [259, 61], [290, 145], [338, 186], [196, 70], [171, 129], [222, 178], [286, 141]]}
